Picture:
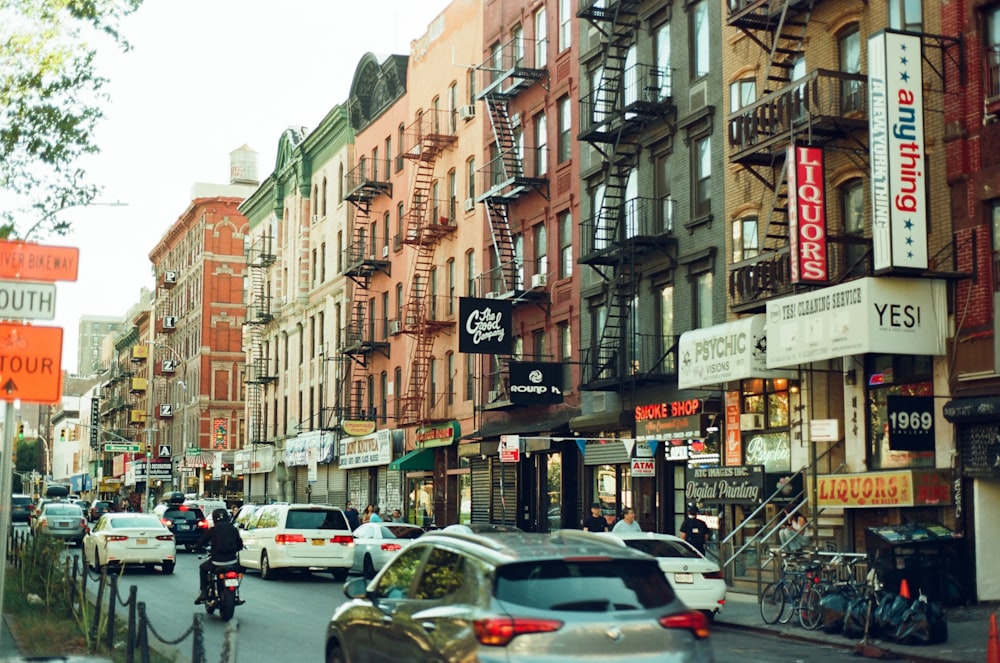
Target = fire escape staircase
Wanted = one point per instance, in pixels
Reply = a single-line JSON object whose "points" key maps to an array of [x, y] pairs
{"points": [[260, 258], [428, 141], [361, 263]]}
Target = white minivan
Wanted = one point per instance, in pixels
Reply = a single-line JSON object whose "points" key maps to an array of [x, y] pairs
{"points": [[310, 537]]}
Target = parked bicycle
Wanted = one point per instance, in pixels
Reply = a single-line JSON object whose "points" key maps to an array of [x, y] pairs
{"points": [[780, 599], [836, 575]]}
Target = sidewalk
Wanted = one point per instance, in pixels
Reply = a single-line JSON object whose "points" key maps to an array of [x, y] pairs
{"points": [[968, 628], [8, 648]]}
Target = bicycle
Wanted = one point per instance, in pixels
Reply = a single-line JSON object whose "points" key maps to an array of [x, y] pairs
{"points": [[787, 590], [810, 607]]}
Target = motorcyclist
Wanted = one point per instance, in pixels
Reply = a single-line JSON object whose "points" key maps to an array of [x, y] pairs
{"points": [[225, 543]]}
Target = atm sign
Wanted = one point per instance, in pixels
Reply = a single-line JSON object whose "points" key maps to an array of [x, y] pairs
{"points": [[643, 467]]}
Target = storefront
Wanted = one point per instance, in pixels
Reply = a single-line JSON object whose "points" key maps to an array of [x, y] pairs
{"points": [[257, 467], [309, 461], [726, 496], [366, 460]]}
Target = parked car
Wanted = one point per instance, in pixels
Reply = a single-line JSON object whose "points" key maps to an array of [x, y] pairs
{"points": [[99, 508], [243, 515], [186, 523], [313, 537], [516, 597], [63, 520], [21, 508], [376, 543], [697, 580], [130, 539]]}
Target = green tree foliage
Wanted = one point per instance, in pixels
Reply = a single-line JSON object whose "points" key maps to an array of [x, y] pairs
{"points": [[29, 455], [51, 97]]}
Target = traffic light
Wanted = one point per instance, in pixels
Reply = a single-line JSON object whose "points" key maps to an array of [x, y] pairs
{"points": [[62, 435], [72, 433], [20, 430], [149, 450]]}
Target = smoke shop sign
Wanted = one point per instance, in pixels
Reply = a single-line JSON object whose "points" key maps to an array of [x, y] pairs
{"points": [[742, 484]]}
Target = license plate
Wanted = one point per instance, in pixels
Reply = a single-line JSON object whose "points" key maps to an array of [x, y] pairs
{"points": [[319, 542], [232, 582], [684, 578], [62, 523], [142, 542]]}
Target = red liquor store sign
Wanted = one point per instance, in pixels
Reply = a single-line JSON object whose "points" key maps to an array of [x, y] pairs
{"points": [[807, 215]]}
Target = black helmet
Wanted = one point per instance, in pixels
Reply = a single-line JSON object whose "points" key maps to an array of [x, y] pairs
{"points": [[220, 515]]}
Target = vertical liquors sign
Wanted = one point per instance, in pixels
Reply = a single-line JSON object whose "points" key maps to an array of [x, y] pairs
{"points": [[896, 143], [807, 214]]}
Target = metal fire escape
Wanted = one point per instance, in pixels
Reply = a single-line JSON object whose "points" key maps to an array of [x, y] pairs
{"points": [[511, 69], [260, 258], [627, 97], [428, 220], [363, 258]]}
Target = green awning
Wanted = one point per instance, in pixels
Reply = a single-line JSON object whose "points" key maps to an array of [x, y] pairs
{"points": [[414, 461]]}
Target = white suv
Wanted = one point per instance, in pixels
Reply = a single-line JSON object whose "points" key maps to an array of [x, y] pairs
{"points": [[313, 537]]}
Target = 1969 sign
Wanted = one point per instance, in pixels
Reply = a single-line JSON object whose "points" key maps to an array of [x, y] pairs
{"points": [[911, 422]]}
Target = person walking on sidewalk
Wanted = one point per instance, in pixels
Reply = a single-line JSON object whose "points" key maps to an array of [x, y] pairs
{"points": [[694, 530], [627, 523], [595, 522]]}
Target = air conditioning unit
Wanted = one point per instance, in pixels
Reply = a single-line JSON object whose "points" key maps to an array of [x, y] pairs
{"points": [[751, 421], [515, 120], [170, 276], [466, 112], [539, 280], [315, 218], [470, 204], [697, 96], [385, 251], [395, 327], [168, 365], [494, 396], [169, 322], [166, 410], [492, 295]]}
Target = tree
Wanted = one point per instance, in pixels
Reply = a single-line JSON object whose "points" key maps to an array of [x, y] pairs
{"points": [[51, 97]]}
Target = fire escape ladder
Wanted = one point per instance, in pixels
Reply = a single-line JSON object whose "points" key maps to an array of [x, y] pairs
{"points": [[498, 106], [787, 40], [259, 260], [354, 336], [497, 212]]}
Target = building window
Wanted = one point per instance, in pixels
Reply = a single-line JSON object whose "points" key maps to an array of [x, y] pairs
{"points": [[470, 375], [449, 379], [470, 83], [397, 242], [742, 93], [387, 163], [518, 242], [540, 241], [470, 174], [702, 301], [452, 107], [397, 389], [850, 63], [565, 130], [517, 42], [898, 375], [701, 40], [853, 209], [399, 302], [906, 15], [539, 345], [565, 245], [322, 262], [666, 317], [541, 39], [565, 336], [470, 274], [400, 136], [663, 66], [432, 369], [565, 24], [450, 268], [541, 145], [745, 238], [701, 171], [383, 396]]}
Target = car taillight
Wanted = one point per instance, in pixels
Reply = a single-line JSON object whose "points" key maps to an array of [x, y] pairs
{"points": [[342, 539], [499, 631], [165, 537], [713, 575], [203, 524], [696, 622], [117, 537], [282, 539], [167, 522], [391, 547]]}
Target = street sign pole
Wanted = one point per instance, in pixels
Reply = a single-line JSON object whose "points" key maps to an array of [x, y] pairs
{"points": [[6, 483]]}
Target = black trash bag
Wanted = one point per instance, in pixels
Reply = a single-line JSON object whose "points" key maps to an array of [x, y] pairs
{"points": [[854, 618], [922, 624], [832, 607], [891, 611]]}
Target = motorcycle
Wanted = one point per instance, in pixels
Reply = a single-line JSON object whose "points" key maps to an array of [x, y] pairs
{"points": [[224, 589]]}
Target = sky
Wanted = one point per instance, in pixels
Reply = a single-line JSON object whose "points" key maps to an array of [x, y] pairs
{"points": [[204, 78]]}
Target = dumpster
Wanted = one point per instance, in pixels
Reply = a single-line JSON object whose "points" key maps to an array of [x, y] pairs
{"points": [[925, 555]]}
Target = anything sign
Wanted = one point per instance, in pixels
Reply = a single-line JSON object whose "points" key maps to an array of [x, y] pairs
{"points": [[34, 262], [743, 484], [535, 383], [868, 489], [27, 300], [30, 363], [485, 326], [911, 422], [510, 448]]}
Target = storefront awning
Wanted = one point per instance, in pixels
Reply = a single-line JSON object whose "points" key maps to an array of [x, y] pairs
{"points": [[418, 460], [524, 425]]}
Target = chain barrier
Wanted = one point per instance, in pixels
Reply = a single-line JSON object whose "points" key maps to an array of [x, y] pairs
{"points": [[196, 628]]}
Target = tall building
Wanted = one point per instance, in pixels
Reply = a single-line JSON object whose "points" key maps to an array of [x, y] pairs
{"points": [[93, 330]]}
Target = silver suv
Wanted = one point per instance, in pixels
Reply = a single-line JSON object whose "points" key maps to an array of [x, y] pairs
{"points": [[516, 597]]}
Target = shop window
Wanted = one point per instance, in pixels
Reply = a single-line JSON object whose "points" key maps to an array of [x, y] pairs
{"points": [[897, 375]]}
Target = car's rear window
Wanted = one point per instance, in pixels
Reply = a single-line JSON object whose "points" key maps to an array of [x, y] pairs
{"points": [[585, 585], [136, 521], [63, 510], [183, 514], [660, 548], [21, 500], [400, 532], [315, 519]]}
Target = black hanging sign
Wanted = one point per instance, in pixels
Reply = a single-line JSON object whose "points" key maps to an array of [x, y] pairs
{"points": [[485, 326], [535, 383]]}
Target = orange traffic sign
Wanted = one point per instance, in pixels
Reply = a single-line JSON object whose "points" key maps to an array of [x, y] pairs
{"points": [[35, 262], [31, 363]]}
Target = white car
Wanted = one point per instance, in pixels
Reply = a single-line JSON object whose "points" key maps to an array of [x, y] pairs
{"points": [[122, 539], [376, 543], [698, 581], [310, 537]]}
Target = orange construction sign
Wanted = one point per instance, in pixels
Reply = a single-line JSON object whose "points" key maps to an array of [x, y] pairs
{"points": [[31, 363], [35, 262]]}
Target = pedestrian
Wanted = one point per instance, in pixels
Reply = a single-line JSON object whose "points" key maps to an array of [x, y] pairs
{"points": [[794, 532], [352, 515], [595, 522], [694, 530], [367, 513], [397, 516], [627, 523], [374, 517]]}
